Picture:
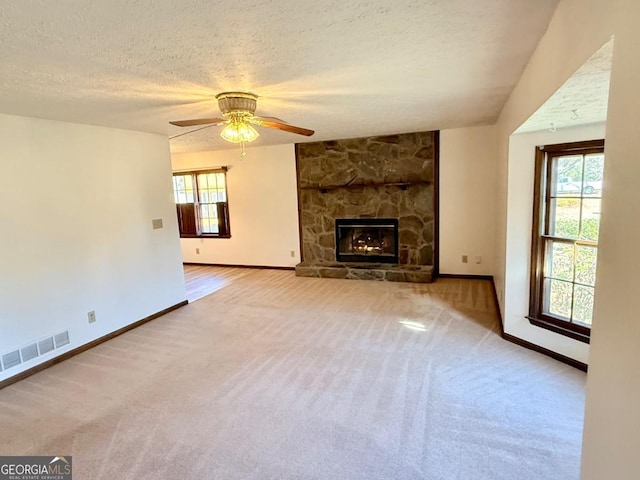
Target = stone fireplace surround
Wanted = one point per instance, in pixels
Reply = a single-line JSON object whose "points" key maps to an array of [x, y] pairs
{"points": [[389, 176]]}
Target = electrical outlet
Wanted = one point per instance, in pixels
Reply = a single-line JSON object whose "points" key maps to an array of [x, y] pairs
{"points": [[465, 259], [91, 316], [197, 251], [293, 253]]}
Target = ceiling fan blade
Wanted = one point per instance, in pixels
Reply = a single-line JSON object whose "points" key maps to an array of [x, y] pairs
{"points": [[269, 119], [200, 121], [191, 131], [266, 122]]}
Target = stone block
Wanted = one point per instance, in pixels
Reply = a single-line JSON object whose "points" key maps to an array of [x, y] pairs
{"points": [[408, 237], [395, 139], [358, 274], [333, 272], [388, 210], [425, 152], [327, 240], [419, 277], [395, 276], [314, 149], [306, 271], [426, 255], [403, 254]]}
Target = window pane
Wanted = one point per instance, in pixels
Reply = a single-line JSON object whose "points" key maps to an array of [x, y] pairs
{"points": [[190, 188], [213, 179], [564, 219], [590, 219], [567, 176], [205, 211], [207, 196], [178, 186], [210, 225], [586, 265], [593, 168], [183, 188], [209, 218], [559, 297], [560, 261], [202, 181], [583, 304], [212, 187]]}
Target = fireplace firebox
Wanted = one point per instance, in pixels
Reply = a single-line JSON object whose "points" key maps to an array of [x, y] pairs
{"points": [[370, 240]]}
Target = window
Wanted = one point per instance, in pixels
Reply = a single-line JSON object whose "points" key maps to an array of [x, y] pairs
{"points": [[567, 201], [201, 203]]}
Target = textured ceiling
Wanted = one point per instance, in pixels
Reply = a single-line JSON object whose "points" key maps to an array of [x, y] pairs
{"points": [[581, 100], [344, 69]]}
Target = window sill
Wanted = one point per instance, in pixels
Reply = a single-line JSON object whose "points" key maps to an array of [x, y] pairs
{"points": [[205, 236], [553, 327]]}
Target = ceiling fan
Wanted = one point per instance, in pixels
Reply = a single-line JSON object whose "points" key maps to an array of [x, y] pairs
{"points": [[238, 113]]}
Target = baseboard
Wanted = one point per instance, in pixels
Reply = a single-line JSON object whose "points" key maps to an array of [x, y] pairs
{"points": [[268, 267], [510, 338], [465, 276], [83, 348], [532, 346], [497, 304], [537, 348]]}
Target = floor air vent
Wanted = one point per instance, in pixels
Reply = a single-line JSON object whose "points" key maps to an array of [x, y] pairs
{"points": [[29, 352], [46, 345], [34, 350], [11, 359], [62, 339]]}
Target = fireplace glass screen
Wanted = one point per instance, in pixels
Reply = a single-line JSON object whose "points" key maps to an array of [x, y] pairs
{"points": [[372, 240]]}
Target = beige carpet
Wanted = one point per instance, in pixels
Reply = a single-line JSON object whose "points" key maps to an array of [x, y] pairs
{"points": [[279, 377]]}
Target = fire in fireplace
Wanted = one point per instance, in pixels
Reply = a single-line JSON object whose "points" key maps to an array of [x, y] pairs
{"points": [[372, 240]]}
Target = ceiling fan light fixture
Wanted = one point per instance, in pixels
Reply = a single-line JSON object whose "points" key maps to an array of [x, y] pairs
{"points": [[238, 110], [239, 131]]}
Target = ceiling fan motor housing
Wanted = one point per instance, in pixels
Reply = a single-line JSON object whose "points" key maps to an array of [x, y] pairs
{"points": [[237, 102]]}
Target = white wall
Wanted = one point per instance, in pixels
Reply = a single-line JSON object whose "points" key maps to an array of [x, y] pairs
{"points": [[519, 225], [579, 28], [77, 204], [467, 200], [263, 207]]}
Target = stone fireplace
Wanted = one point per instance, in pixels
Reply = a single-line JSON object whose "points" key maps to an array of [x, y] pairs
{"points": [[367, 207]]}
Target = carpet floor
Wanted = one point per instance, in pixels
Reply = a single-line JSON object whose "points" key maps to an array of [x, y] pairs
{"points": [[280, 377]]}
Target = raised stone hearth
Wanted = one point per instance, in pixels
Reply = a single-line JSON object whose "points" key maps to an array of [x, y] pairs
{"points": [[367, 271]]}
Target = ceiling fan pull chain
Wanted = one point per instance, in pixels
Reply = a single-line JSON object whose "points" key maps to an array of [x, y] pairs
{"points": [[244, 152]]}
